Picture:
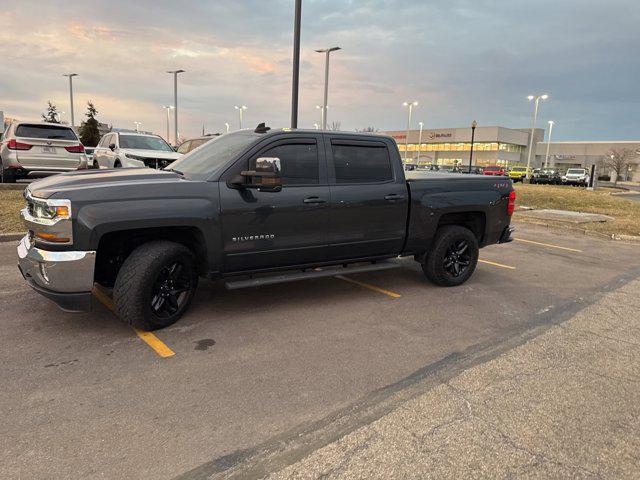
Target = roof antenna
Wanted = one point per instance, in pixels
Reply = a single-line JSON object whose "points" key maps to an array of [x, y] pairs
{"points": [[262, 128]]}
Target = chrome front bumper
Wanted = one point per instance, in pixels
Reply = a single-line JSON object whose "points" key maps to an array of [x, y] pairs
{"points": [[65, 277]]}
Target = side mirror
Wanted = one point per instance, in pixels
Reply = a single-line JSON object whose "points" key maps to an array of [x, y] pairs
{"points": [[112, 146], [266, 176]]}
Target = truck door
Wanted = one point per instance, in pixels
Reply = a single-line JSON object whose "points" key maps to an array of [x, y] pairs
{"points": [[369, 199], [263, 229]]}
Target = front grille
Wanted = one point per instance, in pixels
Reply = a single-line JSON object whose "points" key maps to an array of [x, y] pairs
{"points": [[156, 162]]}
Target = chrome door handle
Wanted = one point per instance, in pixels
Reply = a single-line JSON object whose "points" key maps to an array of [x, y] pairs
{"points": [[314, 200], [394, 196]]}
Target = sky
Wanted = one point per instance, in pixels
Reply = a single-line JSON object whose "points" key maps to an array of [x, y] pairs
{"points": [[461, 60]]}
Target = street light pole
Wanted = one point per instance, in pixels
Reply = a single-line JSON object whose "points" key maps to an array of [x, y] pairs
{"points": [[175, 101], [240, 109], [406, 140], [474, 124], [226, 124], [296, 64], [167, 108], [137, 124], [533, 127], [546, 157], [326, 51], [71, 75], [419, 140]]}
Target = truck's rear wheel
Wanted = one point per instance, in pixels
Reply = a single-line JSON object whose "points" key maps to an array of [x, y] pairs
{"points": [[155, 285], [453, 256]]}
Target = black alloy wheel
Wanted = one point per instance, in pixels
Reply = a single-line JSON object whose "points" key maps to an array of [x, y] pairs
{"points": [[171, 290], [457, 259]]}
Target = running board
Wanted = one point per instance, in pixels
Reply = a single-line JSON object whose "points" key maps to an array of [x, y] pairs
{"points": [[312, 273]]}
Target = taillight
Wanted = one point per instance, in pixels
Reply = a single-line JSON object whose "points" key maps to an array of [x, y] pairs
{"points": [[512, 202], [13, 145], [75, 149]]}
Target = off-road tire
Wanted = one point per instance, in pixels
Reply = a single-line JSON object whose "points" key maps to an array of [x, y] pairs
{"points": [[433, 265], [132, 291]]}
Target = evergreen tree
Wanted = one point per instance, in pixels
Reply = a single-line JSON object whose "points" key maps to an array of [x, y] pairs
{"points": [[89, 133], [51, 115]]}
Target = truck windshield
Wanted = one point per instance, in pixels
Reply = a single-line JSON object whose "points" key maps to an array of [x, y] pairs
{"points": [[201, 163]]}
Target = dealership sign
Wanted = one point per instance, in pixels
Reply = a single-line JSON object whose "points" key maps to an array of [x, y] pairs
{"points": [[434, 135]]}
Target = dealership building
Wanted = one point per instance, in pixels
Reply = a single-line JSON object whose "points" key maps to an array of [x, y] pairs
{"points": [[507, 147]]}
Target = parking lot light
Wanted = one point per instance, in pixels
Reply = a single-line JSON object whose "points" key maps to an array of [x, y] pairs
{"points": [[410, 105], [326, 51], [474, 124], [71, 75], [546, 158], [175, 101], [536, 99], [227, 126], [240, 109], [168, 108], [137, 124], [420, 124]]}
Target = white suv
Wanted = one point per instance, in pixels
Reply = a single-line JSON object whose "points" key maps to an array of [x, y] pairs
{"points": [[36, 149], [576, 176], [120, 149]]}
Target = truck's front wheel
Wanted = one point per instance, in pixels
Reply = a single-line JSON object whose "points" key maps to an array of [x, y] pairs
{"points": [[453, 256], [155, 285]]}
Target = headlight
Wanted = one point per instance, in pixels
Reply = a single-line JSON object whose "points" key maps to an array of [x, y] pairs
{"points": [[51, 209], [133, 157]]}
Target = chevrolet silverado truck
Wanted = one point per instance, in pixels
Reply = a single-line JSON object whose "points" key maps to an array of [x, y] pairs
{"points": [[252, 208]]}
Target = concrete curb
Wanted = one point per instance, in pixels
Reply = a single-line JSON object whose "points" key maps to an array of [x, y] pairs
{"points": [[11, 237], [604, 236]]}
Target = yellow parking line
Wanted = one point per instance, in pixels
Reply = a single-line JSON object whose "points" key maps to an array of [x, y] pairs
{"points": [[548, 245], [149, 338], [509, 267], [370, 287], [154, 342]]}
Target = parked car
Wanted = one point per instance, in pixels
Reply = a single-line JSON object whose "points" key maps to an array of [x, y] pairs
{"points": [[192, 144], [120, 149], [450, 169], [494, 170], [474, 170], [88, 151], [247, 202], [576, 176], [547, 176], [517, 174], [37, 149]]}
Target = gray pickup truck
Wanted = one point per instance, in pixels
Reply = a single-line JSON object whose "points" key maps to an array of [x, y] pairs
{"points": [[252, 208]]}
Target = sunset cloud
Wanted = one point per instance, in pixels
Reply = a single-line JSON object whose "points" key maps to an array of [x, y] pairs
{"points": [[461, 59]]}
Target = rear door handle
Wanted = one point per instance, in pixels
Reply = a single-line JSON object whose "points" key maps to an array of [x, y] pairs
{"points": [[394, 196], [314, 200]]}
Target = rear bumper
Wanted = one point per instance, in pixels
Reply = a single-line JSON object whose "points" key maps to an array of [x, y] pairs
{"points": [[65, 277], [506, 235]]}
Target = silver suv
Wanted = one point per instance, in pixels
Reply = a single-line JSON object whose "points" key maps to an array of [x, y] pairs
{"points": [[37, 149], [120, 149]]}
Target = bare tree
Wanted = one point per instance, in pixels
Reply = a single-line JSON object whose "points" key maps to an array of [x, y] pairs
{"points": [[367, 130], [617, 161], [335, 126]]}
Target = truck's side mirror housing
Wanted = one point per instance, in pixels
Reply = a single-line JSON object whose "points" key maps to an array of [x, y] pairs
{"points": [[265, 177]]}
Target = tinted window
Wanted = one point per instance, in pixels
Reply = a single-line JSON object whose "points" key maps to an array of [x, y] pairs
{"points": [[298, 163], [141, 142], [45, 131], [184, 147], [361, 164]]}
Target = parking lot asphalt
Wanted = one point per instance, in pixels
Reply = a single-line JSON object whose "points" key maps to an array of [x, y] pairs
{"points": [[84, 396]]}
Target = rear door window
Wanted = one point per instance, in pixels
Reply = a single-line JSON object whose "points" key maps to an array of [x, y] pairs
{"points": [[361, 162], [48, 132]]}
